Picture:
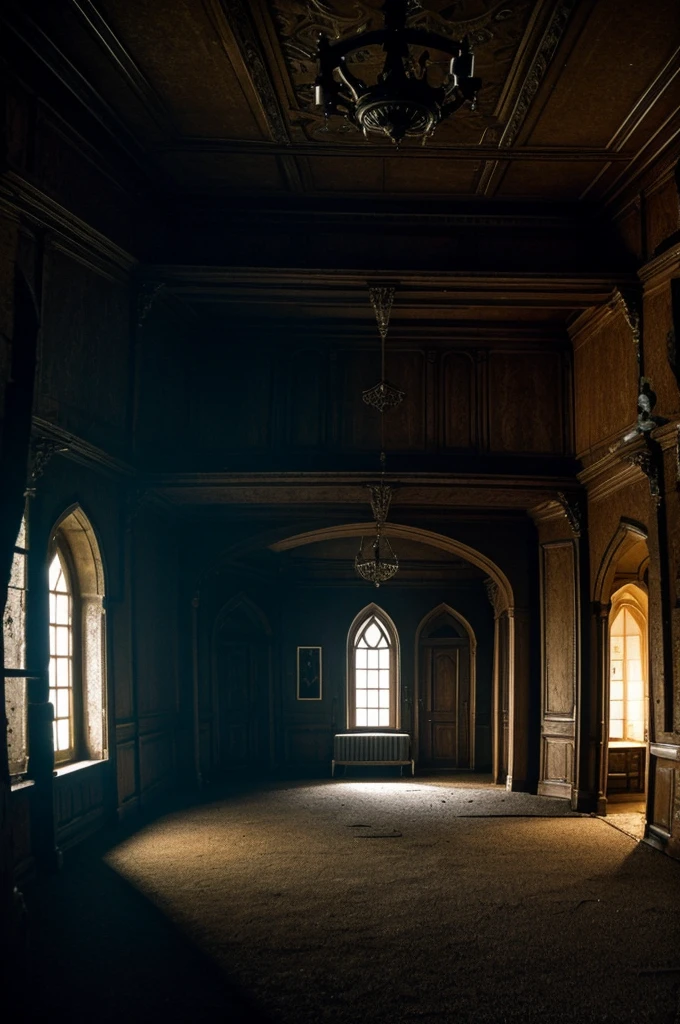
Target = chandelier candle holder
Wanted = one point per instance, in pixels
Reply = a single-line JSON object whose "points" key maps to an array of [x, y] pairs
{"points": [[403, 102]]}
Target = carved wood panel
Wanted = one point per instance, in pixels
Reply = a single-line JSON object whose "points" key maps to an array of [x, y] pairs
{"points": [[85, 337], [357, 424], [559, 627], [665, 780], [305, 398], [526, 402], [457, 415]]}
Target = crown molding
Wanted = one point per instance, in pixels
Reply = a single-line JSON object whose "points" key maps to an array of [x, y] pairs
{"points": [[25, 200], [77, 449]]}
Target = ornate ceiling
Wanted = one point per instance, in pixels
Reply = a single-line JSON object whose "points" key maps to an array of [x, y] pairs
{"points": [[214, 97]]}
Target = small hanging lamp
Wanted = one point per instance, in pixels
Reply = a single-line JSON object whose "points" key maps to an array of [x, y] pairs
{"points": [[379, 563]]}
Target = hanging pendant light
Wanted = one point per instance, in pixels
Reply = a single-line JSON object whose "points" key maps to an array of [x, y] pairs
{"points": [[379, 563], [383, 395]]}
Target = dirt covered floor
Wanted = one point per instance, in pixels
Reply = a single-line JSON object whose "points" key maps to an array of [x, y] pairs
{"points": [[370, 901]]}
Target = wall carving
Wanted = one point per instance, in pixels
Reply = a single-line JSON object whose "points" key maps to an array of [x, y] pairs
{"points": [[237, 14], [545, 54], [573, 512]]}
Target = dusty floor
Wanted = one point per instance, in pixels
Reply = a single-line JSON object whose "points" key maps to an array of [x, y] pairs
{"points": [[368, 901]]}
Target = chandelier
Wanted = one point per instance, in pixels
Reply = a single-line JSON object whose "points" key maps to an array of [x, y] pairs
{"points": [[402, 102], [379, 563]]}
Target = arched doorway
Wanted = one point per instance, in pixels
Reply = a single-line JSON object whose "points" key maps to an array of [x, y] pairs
{"points": [[446, 653], [621, 607], [627, 699], [241, 688]]}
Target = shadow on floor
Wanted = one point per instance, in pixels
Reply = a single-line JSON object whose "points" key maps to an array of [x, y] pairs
{"points": [[100, 951]]}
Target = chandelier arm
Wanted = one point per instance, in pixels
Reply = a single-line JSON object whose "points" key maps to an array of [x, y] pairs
{"points": [[354, 84], [345, 46]]}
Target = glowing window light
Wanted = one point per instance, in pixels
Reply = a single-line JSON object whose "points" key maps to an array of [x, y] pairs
{"points": [[61, 658]]}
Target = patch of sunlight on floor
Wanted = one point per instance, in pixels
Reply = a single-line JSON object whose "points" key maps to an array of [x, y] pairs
{"points": [[627, 817]]}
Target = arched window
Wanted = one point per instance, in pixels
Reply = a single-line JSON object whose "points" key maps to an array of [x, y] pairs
{"points": [[77, 642], [373, 666], [628, 666], [61, 658]]}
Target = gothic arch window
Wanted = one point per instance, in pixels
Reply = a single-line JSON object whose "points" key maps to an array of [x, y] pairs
{"points": [[628, 692], [77, 639], [373, 672]]}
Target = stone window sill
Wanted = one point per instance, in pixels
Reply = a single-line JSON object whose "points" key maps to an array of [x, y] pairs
{"points": [[76, 766]]}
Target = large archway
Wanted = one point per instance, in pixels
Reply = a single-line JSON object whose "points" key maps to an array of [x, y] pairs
{"points": [[509, 738]]}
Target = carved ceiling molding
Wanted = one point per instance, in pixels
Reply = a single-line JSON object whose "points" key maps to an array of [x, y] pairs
{"points": [[361, 150], [41, 452], [573, 512], [78, 450], [469, 492], [628, 303], [300, 285], [238, 18], [645, 461], [544, 55], [86, 242]]}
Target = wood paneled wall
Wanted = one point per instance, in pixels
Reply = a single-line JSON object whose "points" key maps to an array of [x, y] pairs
{"points": [[513, 398]]}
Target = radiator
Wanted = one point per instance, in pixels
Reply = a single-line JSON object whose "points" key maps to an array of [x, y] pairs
{"points": [[372, 748]]}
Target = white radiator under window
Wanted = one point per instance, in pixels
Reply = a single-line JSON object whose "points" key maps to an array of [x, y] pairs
{"points": [[372, 748]]}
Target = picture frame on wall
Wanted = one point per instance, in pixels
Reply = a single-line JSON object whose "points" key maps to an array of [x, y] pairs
{"points": [[309, 673]]}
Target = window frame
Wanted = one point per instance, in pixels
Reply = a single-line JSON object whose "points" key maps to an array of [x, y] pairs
{"points": [[359, 623], [625, 601], [74, 539], [76, 752]]}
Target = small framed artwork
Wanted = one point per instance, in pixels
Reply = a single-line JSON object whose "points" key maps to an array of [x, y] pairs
{"points": [[309, 673]]}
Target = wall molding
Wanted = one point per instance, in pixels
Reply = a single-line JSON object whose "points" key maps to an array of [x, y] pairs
{"points": [[22, 198]]}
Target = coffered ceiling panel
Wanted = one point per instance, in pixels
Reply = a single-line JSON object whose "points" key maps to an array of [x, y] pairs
{"points": [[216, 96], [622, 49], [181, 48], [547, 180], [221, 171]]}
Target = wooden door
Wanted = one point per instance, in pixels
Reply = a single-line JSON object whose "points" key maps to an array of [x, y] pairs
{"points": [[445, 705], [242, 701]]}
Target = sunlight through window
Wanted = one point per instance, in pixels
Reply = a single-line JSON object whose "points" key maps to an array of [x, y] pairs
{"points": [[372, 675], [61, 658]]}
